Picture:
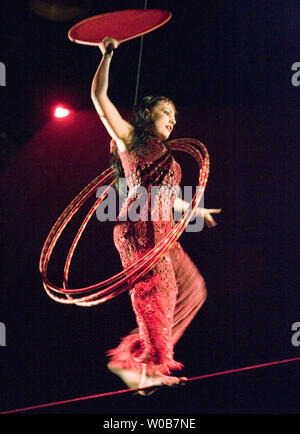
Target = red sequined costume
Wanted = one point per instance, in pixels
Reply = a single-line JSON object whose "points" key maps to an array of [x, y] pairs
{"points": [[165, 300]]}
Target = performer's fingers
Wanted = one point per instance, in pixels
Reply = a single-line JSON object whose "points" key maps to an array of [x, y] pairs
{"points": [[107, 45], [214, 210], [107, 41]]}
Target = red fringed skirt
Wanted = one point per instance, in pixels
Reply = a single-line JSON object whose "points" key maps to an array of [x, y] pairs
{"points": [[165, 301]]}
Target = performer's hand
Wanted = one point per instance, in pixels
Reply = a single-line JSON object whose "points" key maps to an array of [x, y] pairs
{"points": [[206, 214], [105, 43]]}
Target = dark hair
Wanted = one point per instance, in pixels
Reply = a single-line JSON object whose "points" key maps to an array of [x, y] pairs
{"points": [[141, 124]]}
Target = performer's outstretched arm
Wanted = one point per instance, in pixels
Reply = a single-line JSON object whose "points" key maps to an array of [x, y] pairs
{"points": [[181, 205], [117, 127]]}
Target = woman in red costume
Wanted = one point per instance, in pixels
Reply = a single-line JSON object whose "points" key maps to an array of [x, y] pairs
{"points": [[165, 300]]}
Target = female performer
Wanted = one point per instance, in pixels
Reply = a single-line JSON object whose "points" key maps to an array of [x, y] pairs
{"points": [[168, 297]]}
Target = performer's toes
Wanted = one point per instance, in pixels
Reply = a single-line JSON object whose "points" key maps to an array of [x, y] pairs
{"points": [[182, 381], [158, 380], [169, 380]]}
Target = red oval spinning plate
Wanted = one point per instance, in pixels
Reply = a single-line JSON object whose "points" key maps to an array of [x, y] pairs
{"points": [[121, 25]]}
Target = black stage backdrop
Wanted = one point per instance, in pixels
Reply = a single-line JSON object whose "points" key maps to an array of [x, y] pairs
{"points": [[228, 67]]}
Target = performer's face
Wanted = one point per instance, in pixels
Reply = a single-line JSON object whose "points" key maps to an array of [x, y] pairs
{"points": [[163, 119]]}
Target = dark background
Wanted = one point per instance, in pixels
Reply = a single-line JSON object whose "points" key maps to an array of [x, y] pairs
{"points": [[227, 66]]}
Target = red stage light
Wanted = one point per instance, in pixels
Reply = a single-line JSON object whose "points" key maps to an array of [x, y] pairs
{"points": [[61, 112]]}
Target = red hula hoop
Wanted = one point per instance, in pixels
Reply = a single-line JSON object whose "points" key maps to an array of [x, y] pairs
{"points": [[123, 281]]}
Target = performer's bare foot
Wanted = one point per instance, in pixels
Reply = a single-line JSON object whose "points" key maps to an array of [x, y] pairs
{"points": [[138, 380], [130, 377], [157, 380]]}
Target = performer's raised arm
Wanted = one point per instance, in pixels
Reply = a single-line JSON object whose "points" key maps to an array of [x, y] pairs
{"points": [[118, 128]]}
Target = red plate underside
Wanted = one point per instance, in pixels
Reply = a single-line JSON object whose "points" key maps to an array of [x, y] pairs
{"points": [[122, 25]]}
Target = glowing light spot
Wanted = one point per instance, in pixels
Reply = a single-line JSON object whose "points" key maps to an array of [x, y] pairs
{"points": [[61, 112]]}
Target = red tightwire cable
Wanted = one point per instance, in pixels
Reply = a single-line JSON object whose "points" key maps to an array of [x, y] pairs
{"points": [[120, 392]]}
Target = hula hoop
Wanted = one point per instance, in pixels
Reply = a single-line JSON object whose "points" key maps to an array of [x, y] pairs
{"points": [[124, 280]]}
